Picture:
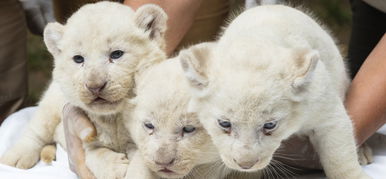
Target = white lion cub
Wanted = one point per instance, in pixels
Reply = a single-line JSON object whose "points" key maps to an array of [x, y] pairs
{"points": [[171, 141], [274, 73], [98, 55]]}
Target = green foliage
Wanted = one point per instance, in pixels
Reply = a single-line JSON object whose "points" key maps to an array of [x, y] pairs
{"points": [[39, 68], [335, 11]]}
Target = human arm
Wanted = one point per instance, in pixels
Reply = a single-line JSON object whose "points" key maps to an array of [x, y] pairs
{"points": [[77, 128], [181, 16], [366, 97]]}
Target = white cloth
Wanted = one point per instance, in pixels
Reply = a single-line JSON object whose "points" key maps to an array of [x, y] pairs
{"points": [[10, 130], [13, 125]]}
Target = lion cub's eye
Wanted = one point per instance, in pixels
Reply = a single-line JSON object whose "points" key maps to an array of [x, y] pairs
{"points": [[78, 59], [116, 54], [269, 127], [225, 125], [149, 127], [188, 129]]}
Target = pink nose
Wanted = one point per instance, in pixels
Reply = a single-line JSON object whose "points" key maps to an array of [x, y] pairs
{"points": [[246, 164], [95, 89]]}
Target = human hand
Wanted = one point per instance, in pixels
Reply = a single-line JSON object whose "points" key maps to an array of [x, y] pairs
{"points": [[77, 129], [38, 14]]}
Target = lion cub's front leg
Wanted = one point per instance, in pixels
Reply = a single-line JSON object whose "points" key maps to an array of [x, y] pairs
{"points": [[336, 147], [25, 153], [106, 164]]}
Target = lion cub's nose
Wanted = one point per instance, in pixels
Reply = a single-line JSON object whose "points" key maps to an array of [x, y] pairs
{"points": [[96, 88], [246, 164], [165, 162]]}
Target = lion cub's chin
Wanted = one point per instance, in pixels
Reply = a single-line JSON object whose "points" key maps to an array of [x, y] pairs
{"points": [[259, 165], [169, 173], [105, 107]]}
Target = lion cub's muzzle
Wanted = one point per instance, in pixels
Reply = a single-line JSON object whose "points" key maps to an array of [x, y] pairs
{"points": [[96, 88], [100, 94]]}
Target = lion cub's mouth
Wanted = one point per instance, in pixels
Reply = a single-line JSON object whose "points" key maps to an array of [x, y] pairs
{"points": [[102, 101], [167, 173], [166, 170]]}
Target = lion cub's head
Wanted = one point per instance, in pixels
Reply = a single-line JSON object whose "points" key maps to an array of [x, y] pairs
{"points": [[249, 99], [171, 140], [101, 48]]}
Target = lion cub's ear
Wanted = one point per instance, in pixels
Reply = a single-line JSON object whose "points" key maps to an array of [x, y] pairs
{"points": [[194, 62], [305, 65], [53, 33], [152, 19]]}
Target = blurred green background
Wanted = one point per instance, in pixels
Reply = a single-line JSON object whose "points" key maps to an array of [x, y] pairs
{"points": [[335, 14]]}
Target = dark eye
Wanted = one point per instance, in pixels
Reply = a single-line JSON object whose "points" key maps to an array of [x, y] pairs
{"points": [[78, 59], [149, 125], [116, 54], [189, 129], [270, 125], [224, 124]]}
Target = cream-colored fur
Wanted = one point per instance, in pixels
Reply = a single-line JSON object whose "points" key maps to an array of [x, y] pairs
{"points": [[161, 101], [273, 65], [94, 32]]}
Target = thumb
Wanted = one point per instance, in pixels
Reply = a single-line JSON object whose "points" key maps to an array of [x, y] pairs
{"points": [[78, 123]]}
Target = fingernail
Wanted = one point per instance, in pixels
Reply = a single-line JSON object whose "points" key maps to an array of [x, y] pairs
{"points": [[87, 135]]}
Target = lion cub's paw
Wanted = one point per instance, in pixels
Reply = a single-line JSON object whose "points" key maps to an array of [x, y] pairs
{"points": [[48, 154], [119, 166], [19, 158], [365, 154], [114, 166]]}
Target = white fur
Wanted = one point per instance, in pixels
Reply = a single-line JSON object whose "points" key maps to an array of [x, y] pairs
{"points": [[93, 32], [273, 64], [162, 98]]}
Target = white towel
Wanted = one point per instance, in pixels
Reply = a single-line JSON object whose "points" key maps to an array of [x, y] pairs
{"points": [[14, 124]]}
